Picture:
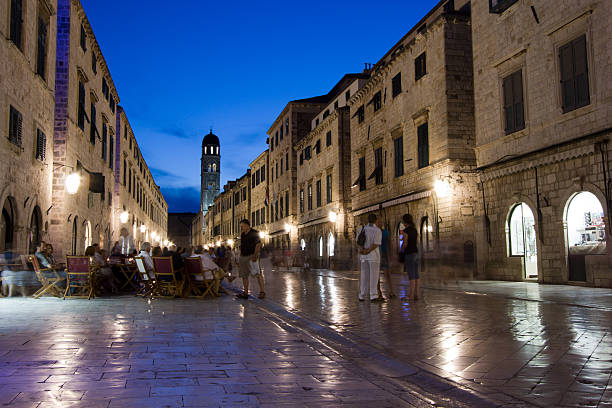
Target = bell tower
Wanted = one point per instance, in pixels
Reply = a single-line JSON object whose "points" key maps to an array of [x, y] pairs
{"points": [[211, 171]]}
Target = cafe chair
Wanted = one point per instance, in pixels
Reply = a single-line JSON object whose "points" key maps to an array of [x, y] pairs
{"points": [[202, 281], [49, 279], [80, 276], [147, 282], [166, 282]]}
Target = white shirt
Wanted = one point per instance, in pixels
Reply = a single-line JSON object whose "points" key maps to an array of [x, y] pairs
{"points": [[207, 262], [373, 237], [127, 244]]}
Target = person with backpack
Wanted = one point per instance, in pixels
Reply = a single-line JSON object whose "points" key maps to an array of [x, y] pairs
{"points": [[410, 253], [368, 241]]}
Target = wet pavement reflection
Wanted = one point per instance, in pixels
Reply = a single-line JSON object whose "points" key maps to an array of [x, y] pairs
{"points": [[547, 345]]}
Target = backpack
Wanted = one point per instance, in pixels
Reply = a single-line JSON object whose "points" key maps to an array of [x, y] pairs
{"points": [[361, 238]]}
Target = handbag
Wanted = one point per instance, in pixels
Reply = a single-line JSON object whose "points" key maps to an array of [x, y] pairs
{"points": [[254, 268]]}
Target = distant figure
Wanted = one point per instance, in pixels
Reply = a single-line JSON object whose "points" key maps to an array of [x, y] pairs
{"points": [[127, 242], [411, 256], [250, 245], [384, 260], [369, 259], [146, 259], [156, 252]]}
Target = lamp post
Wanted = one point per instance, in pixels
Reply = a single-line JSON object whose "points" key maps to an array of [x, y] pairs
{"points": [[124, 217], [442, 189], [73, 181]]}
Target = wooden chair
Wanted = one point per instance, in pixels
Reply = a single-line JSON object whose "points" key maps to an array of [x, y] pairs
{"points": [[166, 283], [48, 278], [146, 281], [202, 281], [80, 276]]}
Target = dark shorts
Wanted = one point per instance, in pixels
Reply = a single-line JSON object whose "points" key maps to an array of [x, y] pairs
{"points": [[411, 266], [384, 260]]}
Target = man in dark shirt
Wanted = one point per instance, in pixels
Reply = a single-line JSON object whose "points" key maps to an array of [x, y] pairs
{"points": [[250, 244]]}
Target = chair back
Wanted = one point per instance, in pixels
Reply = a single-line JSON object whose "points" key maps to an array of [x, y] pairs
{"points": [[34, 260], [142, 271], [163, 268], [77, 264], [193, 266]]}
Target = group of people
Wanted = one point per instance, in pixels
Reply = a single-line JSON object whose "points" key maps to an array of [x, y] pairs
{"points": [[372, 240]]}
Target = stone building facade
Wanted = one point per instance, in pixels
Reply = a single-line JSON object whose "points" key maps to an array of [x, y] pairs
{"points": [[259, 191], [323, 186], [543, 123], [63, 119], [412, 139], [27, 83]]}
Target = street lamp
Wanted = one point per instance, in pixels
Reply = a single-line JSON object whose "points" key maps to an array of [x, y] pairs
{"points": [[73, 181], [442, 188], [218, 243], [287, 228], [123, 217], [333, 216], [143, 228], [230, 242]]}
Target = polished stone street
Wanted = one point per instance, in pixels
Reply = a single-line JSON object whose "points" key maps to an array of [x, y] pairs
{"points": [[311, 343]]}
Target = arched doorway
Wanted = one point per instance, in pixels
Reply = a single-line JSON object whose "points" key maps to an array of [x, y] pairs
{"points": [[521, 236], [87, 239], [320, 247], [585, 232], [35, 234], [7, 226], [331, 245]]}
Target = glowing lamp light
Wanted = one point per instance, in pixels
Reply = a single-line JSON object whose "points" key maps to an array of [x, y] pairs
{"points": [[288, 228], [143, 228], [333, 216], [218, 243], [230, 242], [206, 247], [442, 188], [73, 181], [123, 217], [165, 242], [429, 228], [262, 234]]}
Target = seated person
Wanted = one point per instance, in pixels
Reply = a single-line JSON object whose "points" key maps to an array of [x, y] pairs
{"points": [[46, 259], [209, 265], [156, 252], [146, 259]]}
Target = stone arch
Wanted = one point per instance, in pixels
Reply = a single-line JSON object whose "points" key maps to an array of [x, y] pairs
{"points": [[9, 223], [35, 230], [512, 202]]}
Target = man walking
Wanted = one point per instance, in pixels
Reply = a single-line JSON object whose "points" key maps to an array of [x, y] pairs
{"points": [[369, 258], [250, 245]]}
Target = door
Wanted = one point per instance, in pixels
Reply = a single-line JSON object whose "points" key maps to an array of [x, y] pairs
{"points": [[522, 239]]}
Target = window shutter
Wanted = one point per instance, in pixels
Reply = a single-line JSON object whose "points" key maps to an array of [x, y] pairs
{"points": [[508, 104], [41, 145], [19, 128], [567, 76], [517, 90], [423, 145], [581, 75]]}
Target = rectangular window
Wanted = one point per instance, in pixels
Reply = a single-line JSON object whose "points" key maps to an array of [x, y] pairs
{"points": [[317, 122], [83, 39], [325, 114], [287, 161], [104, 136], [423, 145], [513, 102], [317, 147], [420, 67], [361, 114], [282, 207], [287, 126], [362, 170], [92, 130], [253, 180], [328, 138], [499, 6], [263, 215], [15, 126], [309, 197], [111, 152], [16, 29], [301, 158], [396, 85], [41, 51], [281, 131], [287, 203], [347, 95], [94, 63], [277, 215], [302, 201], [574, 74], [377, 101], [281, 166], [318, 193], [398, 154], [81, 108], [328, 186], [378, 165], [276, 139], [307, 154], [263, 173], [105, 88], [112, 104], [41, 145], [336, 105], [277, 170], [124, 172], [257, 178]]}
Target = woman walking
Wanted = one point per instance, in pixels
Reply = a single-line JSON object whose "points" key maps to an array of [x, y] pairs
{"points": [[410, 253]]}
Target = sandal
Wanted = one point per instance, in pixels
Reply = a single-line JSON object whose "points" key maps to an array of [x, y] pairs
{"points": [[242, 295], [262, 295]]}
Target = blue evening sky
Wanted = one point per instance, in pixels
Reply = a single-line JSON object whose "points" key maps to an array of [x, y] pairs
{"points": [[181, 67]]}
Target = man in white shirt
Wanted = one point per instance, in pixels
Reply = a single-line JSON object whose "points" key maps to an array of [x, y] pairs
{"points": [[209, 265], [145, 248], [127, 242], [369, 260]]}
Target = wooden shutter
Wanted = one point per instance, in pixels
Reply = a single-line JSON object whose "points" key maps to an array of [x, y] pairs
{"points": [[517, 90], [41, 60], [399, 156], [508, 104], [423, 145], [568, 94], [41, 145], [581, 74], [17, 22]]}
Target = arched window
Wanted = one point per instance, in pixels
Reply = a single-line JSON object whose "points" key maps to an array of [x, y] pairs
{"points": [[35, 230], [214, 167], [320, 247], [205, 149], [331, 244], [586, 229], [426, 238], [217, 149]]}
